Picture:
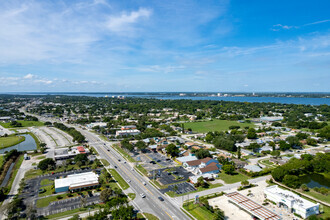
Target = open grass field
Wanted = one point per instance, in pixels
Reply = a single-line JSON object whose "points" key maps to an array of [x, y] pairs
{"points": [[198, 212], [24, 124], [119, 179], [319, 196], [46, 182], [48, 191], [232, 178], [214, 125], [10, 141]]}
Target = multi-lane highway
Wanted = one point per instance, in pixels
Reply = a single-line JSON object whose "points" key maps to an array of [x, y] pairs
{"points": [[163, 209]]}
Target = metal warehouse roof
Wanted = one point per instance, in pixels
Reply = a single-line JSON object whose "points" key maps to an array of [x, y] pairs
{"points": [[252, 207], [76, 180]]}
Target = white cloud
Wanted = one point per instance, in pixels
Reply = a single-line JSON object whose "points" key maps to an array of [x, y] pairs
{"points": [[28, 76], [123, 22], [278, 27]]}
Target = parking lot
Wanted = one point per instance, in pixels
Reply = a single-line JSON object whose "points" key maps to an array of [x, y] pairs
{"points": [[31, 191], [182, 188], [153, 160], [171, 175]]}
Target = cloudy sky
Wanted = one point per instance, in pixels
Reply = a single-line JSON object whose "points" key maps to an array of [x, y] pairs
{"points": [[164, 45]]}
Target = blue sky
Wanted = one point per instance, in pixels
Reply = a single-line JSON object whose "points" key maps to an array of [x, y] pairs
{"points": [[186, 45]]}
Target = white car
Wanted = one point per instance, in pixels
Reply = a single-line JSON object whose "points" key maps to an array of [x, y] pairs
{"points": [[142, 195], [128, 181], [144, 183]]}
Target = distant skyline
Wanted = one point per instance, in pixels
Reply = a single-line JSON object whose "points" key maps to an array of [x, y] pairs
{"points": [[157, 46]]}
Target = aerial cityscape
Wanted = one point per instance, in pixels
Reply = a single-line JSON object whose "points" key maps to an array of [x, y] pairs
{"points": [[164, 110]]}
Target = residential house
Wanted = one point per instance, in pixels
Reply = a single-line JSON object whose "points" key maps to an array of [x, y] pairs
{"points": [[239, 163], [252, 168], [202, 166]]}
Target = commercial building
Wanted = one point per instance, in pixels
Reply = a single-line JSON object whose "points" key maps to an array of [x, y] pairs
{"points": [[127, 132], [67, 153], [291, 201], [76, 182], [252, 207]]}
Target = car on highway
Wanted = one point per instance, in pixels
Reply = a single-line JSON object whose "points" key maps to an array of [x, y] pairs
{"points": [[119, 160], [142, 195], [115, 166], [128, 181], [161, 198], [144, 183]]}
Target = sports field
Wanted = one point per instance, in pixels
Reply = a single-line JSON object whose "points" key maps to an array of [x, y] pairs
{"points": [[214, 125]]}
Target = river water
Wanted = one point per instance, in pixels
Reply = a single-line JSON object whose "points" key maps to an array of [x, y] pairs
{"points": [[282, 100]]}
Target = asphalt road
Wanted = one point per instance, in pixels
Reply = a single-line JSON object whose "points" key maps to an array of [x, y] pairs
{"points": [[164, 210]]}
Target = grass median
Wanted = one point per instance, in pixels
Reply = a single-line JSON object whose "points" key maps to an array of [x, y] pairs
{"points": [[119, 179], [105, 162]]}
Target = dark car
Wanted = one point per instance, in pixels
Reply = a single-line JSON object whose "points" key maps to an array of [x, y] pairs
{"points": [[158, 160], [115, 166], [160, 198]]}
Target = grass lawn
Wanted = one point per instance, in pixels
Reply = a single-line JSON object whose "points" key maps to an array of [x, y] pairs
{"points": [[47, 192], [142, 169], [44, 202], [24, 124], [232, 178], [1, 160], [41, 157], [46, 182], [105, 162], [119, 179], [10, 141], [211, 186], [214, 125], [67, 213], [150, 216], [197, 211], [319, 196], [132, 196]]}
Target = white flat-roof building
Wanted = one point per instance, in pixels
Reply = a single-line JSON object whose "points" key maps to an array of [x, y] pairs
{"points": [[76, 181], [291, 201], [127, 132]]}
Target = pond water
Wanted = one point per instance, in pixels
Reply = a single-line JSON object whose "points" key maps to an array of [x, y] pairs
{"points": [[28, 144], [315, 180]]}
